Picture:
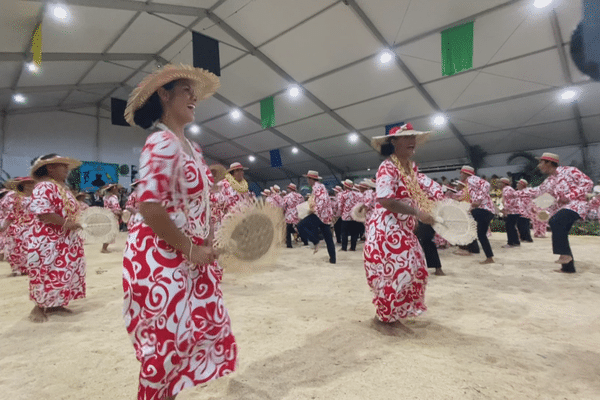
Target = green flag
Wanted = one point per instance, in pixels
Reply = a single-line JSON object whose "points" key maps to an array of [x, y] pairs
{"points": [[457, 49], [267, 112]]}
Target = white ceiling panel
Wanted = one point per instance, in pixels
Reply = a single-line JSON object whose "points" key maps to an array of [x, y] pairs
{"points": [[288, 157], [210, 108], [88, 30], [8, 72], [551, 135], [591, 127], [232, 129], [268, 21], [17, 22], [358, 162], [209, 28], [288, 109], [424, 70], [79, 97], [107, 72], [348, 42], [467, 127], [261, 141], [487, 87], [257, 164], [142, 37], [569, 14], [204, 138], [589, 99], [225, 150], [41, 99], [180, 51], [54, 73], [337, 146], [248, 80], [184, 20], [444, 149], [386, 110], [190, 3], [320, 126], [447, 90], [361, 81], [303, 167], [268, 174], [525, 69]]}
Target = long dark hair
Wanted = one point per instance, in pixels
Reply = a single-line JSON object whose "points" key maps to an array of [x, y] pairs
{"points": [[42, 171], [152, 110], [387, 148]]}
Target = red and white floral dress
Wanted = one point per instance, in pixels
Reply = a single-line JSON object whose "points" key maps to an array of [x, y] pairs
{"points": [[20, 217], [174, 310], [112, 203], [132, 204], [3, 214], [321, 203], [291, 201], [55, 257], [394, 260]]}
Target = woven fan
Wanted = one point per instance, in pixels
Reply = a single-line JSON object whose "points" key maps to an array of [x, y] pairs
{"points": [[359, 213], [453, 222], [99, 225], [596, 189], [303, 210], [125, 216], [544, 201], [218, 171], [543, 215], [250, 237]]}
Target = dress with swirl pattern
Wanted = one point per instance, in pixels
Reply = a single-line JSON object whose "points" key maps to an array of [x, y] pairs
{"points": [[55, 257], [173, 310], [394, 260], [21, 219]]}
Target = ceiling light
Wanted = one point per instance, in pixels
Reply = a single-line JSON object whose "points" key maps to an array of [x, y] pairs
{"points": [[439, 120], [568, 94], [60, 13], [368, 169], [19, 98], [385, 57], [236, 114], [251, 158], [195, 129], [295, 150], [33, 67], [353, 137], [541, 3], [294, 91]]}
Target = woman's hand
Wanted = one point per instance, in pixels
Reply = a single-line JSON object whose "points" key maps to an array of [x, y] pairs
{"points": [[71, 226], [203, 255], [425, 218]]}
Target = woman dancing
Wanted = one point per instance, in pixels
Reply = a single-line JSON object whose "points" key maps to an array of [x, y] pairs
{"points": [[18, 222], [174, 310]]}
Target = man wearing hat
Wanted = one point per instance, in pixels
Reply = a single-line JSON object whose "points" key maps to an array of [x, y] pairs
{"points": [[569, 186], [277, 199], [290, 202], [512, 212], [350, 227], [235, 179], [337, 213], [526, 213], [477, 192], [320, 218], [531, 211], [111, 202]]}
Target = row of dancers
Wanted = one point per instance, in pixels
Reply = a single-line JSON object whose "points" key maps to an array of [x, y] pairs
{"points": [[174, 310]]}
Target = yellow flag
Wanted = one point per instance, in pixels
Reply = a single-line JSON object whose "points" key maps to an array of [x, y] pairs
{"points": [[36, 45]]}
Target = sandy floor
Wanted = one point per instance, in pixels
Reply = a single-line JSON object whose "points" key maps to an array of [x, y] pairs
{"points": [[513, 330]]}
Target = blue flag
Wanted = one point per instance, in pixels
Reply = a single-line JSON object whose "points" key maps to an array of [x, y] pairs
{"points": [[275, 158]]}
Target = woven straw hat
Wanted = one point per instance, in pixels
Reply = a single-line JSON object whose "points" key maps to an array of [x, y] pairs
{"points": [[505, 180], [348, 184], [523, 181], [38, 163], [467, 169], [236, 165], [404, 130], [292, 186], [312, 175], [205, 85], [549, 157], [14, 183]]}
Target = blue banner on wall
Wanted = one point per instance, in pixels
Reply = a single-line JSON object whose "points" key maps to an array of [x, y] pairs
{"points": [[95, 175]]}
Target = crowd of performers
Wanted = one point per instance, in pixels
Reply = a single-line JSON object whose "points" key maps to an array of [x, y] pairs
{"points": [[173, 304]]}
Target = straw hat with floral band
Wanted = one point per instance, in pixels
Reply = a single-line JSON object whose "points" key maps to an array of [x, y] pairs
{"points": [[506, 181], [397, 131], [312, 175], [48, 159], [292, 186], [205, 84], [235, 166], [337, 189], [467, 169], [523, 181], [276, 188], [17, 184], [348, 184], [369, 183], [549, 157]]}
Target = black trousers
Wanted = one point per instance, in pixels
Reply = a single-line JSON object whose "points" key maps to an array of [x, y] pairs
{"points": [[351, 228], [425, 234], [288, 235], [561, 224], [524, 227], [511, 229], [337, 227], [310, 227], [483, 219]]}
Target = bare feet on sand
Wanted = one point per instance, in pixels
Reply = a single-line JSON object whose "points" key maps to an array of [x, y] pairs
{"points": [[564, 259], [461, 252], [58, 310], [391, 328], [439, 272], [38, 315], [488, 261], [104, 251], [316, 248]]}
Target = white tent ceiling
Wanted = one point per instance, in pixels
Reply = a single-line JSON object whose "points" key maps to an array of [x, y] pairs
{"points": [[508, 102]]}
